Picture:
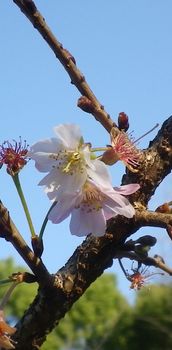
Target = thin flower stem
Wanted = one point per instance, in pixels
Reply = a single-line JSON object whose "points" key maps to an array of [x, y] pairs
{"points": [[122, 268], [24, 204], [7, 280], [7, 295], [97, 149], [45, 221]]}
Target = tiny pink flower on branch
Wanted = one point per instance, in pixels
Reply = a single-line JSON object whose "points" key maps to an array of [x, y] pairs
{"points": [[5, 332], [13, 155], [122, 148], [139, 278]]}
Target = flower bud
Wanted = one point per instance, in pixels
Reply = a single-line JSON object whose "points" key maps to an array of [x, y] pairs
{"points": [[85, 104], [123, 121]]}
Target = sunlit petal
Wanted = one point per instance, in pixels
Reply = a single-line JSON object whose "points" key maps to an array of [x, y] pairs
{"points": [[68, 134]]}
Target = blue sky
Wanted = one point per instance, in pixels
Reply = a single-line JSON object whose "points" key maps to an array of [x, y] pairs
{"points": [[124, 49]]}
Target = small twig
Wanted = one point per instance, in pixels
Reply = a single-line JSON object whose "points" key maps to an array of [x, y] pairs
{"points": [[7, 295], [67, 60], [153, 219], [9, 231], [169, 230], [148, 261]]}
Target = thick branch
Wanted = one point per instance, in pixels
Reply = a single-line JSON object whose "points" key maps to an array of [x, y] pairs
{"points": [[156, 165], [86, 264], [29, 9], [9, 231]]}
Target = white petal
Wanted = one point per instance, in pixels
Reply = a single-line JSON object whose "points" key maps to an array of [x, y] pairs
{"points": [[50, 180], [88, 161], [83, 223], [100, 175], [62, 209], [48, 146], [43, 162], [120, 205], [68, 134], [58, 183], [41, 153]]}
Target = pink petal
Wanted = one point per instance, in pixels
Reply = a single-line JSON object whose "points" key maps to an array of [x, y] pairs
{"points": [[84, 222], [127, 189]]}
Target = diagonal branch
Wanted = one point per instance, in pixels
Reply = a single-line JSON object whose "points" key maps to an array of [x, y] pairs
{"points": [[67, 60], [87, 263], [9, 231], [95, 254]]}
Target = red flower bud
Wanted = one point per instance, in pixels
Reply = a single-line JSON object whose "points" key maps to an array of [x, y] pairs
{"points": [[85, 104]]}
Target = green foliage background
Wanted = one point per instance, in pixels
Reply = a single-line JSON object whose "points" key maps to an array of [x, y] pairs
{"points": [[102, 319]]}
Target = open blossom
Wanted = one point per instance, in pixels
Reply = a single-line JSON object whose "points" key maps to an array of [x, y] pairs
{"points": [[5, 332], [68, 162], [122, 148], [13, 155], [92, 206]]}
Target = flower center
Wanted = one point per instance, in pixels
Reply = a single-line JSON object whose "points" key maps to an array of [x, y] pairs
{"points": [[69, 161], [73, 160], [92, 197]]}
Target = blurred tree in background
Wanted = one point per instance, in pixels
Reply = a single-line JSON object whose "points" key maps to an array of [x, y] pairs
{"points": [[146, 325]]}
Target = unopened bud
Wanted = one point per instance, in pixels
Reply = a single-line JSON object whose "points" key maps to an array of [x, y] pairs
{"points": [[123, 123], [69, 56], [147, 240], [85, 104], [164, 208]]}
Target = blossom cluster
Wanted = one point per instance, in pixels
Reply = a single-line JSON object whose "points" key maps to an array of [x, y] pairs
{"points": [[79, 183]]}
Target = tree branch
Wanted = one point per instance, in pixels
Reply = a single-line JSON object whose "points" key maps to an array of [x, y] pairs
{"points": [[149, 261], [9, 231], [95, 254], [77, 78]]}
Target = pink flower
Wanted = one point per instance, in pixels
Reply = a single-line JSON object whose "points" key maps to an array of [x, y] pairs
{"points": [[5, 332], [122, 148], [139, 278], [67, 160], [13, 155], [92, 206]]}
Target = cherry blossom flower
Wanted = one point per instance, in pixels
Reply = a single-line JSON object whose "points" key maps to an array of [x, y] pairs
{"points": [[5, 332], [122, 148], [140, 278], [68, 162], [91, 206], [13, 155]]}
